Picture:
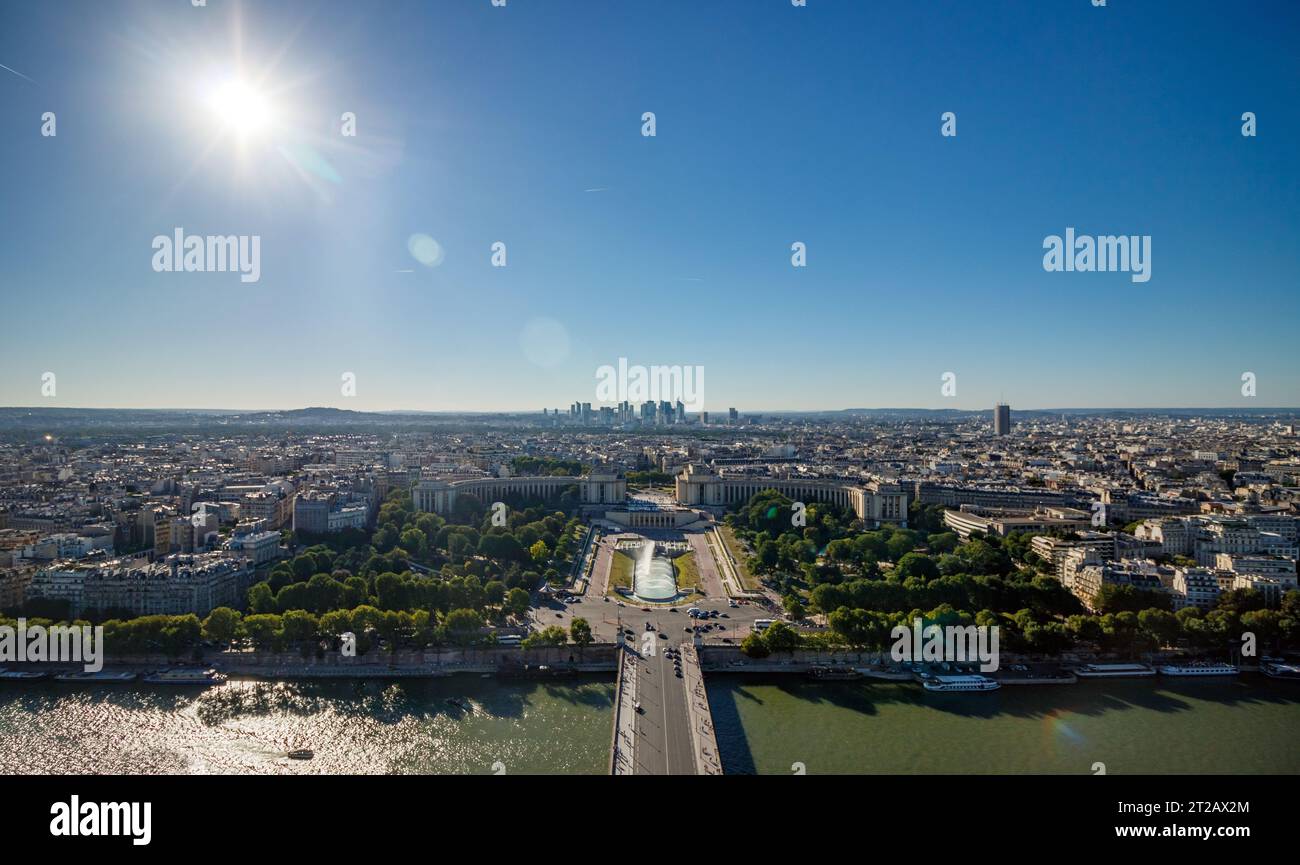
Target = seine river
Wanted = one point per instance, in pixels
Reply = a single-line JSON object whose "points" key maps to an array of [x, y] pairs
{"points": [[1155, 726], [764, 725], [360, 727]]}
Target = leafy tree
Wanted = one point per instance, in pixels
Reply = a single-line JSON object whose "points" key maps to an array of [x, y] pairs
{"points": [[945, 542], [222, 626], [1084, 628], [580, 633], [299, 626], [1266, 625], [780, 637], [463, 627], [793, 607], [1161, 625], [517, 602], [494, 593], [260, 598], [502, 545], [916, 565], [1242, 600], [754, 646], [264, 630], [860, 628], [552, 635]]}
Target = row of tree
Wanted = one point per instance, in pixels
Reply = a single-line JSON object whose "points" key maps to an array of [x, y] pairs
{"points": [[486, 561], [1024, 631], [868, 582]]}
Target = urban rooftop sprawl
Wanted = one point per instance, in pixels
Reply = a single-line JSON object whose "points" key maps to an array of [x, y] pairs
{"points": [[1108, 533]]}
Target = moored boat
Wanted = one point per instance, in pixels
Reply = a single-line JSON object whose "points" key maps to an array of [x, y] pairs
{"points": [[833, 674], [959, 683], [98, 677], [1198, 669], [1113, 671], [7, 675], [535, 671], [1280, 670], [182, 676]]}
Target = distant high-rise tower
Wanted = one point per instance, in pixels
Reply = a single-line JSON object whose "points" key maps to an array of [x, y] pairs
{"points": [[1001, 419]]}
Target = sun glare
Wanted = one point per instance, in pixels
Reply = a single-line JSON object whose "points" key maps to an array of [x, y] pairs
{"points": [[240, 108]]}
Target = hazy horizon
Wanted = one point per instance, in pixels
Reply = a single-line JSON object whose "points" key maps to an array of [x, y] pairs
{"points": [[720, 412]]}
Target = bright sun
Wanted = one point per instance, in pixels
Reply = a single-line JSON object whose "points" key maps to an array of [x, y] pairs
{"points": [[240, 108]]}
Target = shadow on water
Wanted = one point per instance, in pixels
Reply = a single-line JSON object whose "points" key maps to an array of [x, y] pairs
{"points": [[596, 694], [387, 701], [733, 744], [1028, 701], [777, 706], [40, 698]]}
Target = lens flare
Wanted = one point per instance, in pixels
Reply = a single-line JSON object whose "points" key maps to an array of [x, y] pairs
{"points": [[239, 107]]}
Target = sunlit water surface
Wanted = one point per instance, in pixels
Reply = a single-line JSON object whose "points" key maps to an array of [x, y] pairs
{"points": [[352, 726]]}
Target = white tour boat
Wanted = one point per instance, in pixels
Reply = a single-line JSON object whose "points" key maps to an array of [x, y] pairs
{"points": [[1198, 669], [960, 683]]}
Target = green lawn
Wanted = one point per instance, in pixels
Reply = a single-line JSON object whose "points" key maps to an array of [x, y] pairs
{"points": [[620, 573], [687, 572], [737, 551]]}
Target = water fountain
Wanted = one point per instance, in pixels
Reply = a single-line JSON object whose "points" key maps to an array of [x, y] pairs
{"points": [[652, 576]]}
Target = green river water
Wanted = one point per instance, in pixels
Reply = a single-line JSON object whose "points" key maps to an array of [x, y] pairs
{"points": [[765, 725]]}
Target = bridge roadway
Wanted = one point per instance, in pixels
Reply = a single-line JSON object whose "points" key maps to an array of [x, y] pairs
{"points": [[672, 734]]}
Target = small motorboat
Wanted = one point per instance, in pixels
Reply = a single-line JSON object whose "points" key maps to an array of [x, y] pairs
{"points": [[7, 675], [301, 754]]}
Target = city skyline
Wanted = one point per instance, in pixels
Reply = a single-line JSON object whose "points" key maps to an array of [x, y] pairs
{"points": [[719, 413], [478, 125]]}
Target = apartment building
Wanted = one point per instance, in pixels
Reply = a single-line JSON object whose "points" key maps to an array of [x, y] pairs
{"points": [[176, 585]]}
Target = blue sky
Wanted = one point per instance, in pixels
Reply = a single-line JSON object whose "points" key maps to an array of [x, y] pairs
{"points": [[775, 124]]}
